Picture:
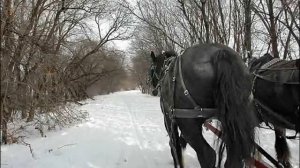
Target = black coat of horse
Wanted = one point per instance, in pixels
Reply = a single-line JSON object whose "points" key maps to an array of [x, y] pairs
{"points": [[276, 91], [206, 81]]}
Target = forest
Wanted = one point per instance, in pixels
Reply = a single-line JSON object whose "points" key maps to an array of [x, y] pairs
{"points": [[55, 53]]}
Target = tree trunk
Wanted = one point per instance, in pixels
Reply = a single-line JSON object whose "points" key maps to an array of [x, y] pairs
{"points": [[273, 31], [205, 18], [247, 26], [6, 55]]}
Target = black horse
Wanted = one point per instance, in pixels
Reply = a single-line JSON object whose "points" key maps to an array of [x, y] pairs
{"points": [[206, 81], [276, 91]]}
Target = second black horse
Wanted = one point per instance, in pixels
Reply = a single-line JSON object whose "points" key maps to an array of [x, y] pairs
{"points": [[276, 91]]}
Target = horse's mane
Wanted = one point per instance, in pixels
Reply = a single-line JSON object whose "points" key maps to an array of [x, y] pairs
{"points": [[265, 58], [255, 63], [170, 53]]}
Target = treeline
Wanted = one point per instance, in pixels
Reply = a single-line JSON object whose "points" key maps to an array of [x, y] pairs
{"points": [[251, 27], [52, 51]]}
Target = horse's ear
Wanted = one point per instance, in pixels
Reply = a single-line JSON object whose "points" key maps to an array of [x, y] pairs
{"points": [[268, 55], [253, 63], [170, 53], [153, 56]]}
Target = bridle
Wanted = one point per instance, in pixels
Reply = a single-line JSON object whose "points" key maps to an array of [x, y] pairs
{"points": [[154, 74]]}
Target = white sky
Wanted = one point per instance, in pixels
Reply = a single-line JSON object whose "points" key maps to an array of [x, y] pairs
{"points": [[121, 44]]}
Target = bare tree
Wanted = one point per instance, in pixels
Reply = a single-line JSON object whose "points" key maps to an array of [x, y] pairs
{"points": [[43, 62], [247, 26], [273, 31], [278, 19]]}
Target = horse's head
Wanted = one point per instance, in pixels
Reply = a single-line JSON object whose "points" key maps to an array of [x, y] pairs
{"points": [[255, 63], [157, 68]]}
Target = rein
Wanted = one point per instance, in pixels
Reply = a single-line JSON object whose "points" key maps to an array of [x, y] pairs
{"points": [[260, 105]]}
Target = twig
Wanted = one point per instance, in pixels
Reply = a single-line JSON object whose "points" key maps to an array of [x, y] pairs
{"points": [[31, 150], [66, 145]]}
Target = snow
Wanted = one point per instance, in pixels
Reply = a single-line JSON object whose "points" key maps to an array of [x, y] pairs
{"points": [[124, 130]]}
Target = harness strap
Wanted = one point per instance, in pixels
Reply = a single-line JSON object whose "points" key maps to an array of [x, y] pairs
{"points": [[186, 92], [277, 69], [174, 127], [274, 114], [266, 79], [195, 113], [174, 83]]}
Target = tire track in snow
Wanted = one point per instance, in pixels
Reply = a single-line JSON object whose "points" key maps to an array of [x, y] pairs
{"points": [[149, 131], [139, 131]]}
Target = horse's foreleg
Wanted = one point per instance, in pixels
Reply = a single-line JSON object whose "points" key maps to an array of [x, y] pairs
{"points": [[281, 147], [176, 154], [174, 157], [176, 148]]}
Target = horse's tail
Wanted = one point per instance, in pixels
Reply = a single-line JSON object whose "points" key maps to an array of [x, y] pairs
{"points": [[232, 98]]}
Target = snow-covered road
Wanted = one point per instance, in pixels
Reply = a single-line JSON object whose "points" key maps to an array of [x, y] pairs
{"points": [[124, 130]]}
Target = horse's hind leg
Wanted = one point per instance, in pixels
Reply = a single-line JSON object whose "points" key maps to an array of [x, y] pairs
{"points": [[192, 133], [281, 147]]}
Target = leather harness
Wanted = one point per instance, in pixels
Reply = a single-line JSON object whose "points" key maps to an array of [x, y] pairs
{"points": [[259, 105], [197, 111], [173, 113]]}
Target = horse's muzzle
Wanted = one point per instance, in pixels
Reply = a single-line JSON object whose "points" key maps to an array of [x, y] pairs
{"points": [[154, 92]]}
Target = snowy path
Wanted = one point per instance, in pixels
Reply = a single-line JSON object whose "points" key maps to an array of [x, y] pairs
{"points": [[125, 130]]}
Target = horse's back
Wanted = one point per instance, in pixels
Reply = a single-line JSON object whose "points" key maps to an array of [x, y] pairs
{"points": [[285, 72]]}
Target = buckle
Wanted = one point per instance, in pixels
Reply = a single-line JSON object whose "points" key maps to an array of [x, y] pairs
{"points": [[171, 113]]}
